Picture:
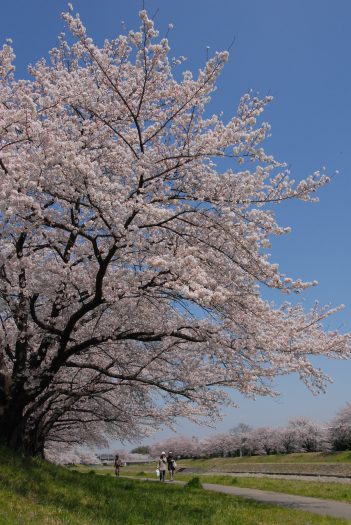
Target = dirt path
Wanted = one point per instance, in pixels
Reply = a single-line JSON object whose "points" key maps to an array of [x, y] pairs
{"points": [[315, 505]]}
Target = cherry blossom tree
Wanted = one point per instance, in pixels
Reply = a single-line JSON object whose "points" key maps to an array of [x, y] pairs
{"points": [[340, 429], [263, 440], [309, 435], [301, 434], [240, 434], [222, 444], [61, 455], [134, 229]]}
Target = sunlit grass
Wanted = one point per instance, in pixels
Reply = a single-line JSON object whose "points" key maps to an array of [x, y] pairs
{"points": [[314, 488], [320, 460], [305, 457], [33, 492]]}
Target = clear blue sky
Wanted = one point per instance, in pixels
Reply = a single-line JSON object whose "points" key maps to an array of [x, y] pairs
{"points": [[300, 52]]}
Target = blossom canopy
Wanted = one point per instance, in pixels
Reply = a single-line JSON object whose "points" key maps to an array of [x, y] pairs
{"points": [[134, 230]]}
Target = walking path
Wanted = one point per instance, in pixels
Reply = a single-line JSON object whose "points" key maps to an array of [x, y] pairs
{"points": [[315, 505]]}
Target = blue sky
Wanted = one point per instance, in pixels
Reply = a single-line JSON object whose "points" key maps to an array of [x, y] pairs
{"points": [[297, 51]]}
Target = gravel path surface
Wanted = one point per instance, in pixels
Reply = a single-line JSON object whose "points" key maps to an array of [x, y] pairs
{"points": [[315, 505]]}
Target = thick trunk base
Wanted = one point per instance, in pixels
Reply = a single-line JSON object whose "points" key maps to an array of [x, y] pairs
{"points": [[15, 435]]}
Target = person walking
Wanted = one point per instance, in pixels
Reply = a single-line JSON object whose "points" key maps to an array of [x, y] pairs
{"points": [[162, 465], [171, 463], [118, 464]]}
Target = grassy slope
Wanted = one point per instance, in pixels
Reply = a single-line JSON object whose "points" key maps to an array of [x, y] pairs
{"points": [[306, 457], [313, 488], [33, 492], [318, 463]]}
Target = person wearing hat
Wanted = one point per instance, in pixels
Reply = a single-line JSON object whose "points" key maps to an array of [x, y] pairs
{"points": [[162, 465], [171, 465]]}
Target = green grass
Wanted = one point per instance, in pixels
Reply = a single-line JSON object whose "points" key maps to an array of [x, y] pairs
{"points": [[337, 464], [318, 463], [194, 483], [314, 489], [33, 492], [306, 457], [303, 464]]}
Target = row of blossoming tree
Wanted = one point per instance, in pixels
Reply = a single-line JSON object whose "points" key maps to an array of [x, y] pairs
{"points": [[299, 435], [134, 228]]}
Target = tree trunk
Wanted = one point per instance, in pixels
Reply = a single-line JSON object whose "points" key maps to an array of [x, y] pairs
{"points": [[14, 429]]}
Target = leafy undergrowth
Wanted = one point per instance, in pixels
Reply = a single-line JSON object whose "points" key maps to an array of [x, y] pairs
{"points": [[34, 492], [194, 483]]}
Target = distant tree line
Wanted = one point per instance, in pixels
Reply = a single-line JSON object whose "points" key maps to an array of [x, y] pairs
{"points": [[301, 434]]}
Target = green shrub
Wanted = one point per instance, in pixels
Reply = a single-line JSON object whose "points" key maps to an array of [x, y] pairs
{"points": [[194, 483]]}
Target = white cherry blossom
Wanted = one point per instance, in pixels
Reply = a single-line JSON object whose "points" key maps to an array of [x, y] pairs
{"points": [[133, 247]]}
